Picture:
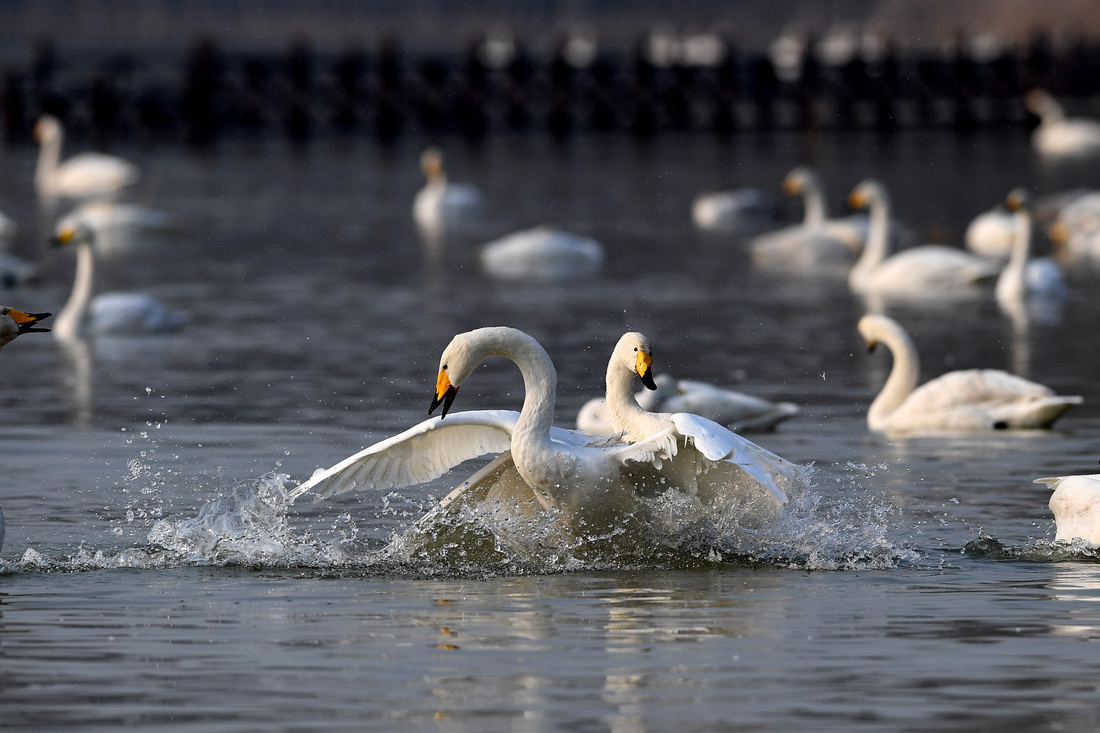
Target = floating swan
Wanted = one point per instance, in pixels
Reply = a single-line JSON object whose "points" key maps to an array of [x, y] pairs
{"points": [[1058, 135], [15, 323], [966, 400], [592, 481], [918, 271], [1076, 507], [817, 241], [542, 254], [441, 204], [739, 210], [1076, 231], [737, 411], [81, 176], [711, 460], [1023, 277], [107, 313]]}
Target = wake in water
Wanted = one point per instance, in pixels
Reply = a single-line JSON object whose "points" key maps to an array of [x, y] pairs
{"points": [[843, 527]]}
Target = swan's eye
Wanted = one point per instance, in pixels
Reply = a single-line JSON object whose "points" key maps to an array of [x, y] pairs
{"points": [[444, 367]]}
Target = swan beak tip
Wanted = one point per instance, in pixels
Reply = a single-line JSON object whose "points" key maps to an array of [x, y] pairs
{"points": [[445, 394], [642, 366]]}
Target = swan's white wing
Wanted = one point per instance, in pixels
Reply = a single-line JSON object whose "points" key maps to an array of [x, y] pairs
{"points": [[717, 443], [423, 452]]}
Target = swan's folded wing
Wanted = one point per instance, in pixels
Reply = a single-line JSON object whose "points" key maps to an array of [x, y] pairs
{"points": [[718, 443], [423, 452]]}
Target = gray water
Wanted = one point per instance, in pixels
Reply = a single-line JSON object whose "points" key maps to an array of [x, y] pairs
{"points": [[154, 578]]}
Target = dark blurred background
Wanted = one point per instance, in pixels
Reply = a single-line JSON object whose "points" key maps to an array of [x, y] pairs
{"points": [[203, 70]]}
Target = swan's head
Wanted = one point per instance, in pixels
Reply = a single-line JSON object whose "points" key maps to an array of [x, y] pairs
{"points": [[634, 353], [466, 352], [874, 328], [1017, 200], [865, 193], [47, 128], [15, 322], [73, 232], [431, 164], [797, 181]]}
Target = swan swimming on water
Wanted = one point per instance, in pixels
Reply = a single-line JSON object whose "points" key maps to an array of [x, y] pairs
{"points": [[441, 204], [927, 270], [965, 400], [1058, 136], [119, 313], [1025, 278], [1075, 504], [14, 323], [81, 176], [542, 254]]}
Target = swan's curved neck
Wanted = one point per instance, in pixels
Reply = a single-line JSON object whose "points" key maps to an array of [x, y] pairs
{"points": [[68, 324], [813, 203], [622, 408], [878, 244], [1011, 282], [49, 155], [903, 378], [540, 383]]}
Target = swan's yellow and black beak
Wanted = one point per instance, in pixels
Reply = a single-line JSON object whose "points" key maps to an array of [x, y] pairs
{"points": [[642, 364], [857, 200], [28, 321], [445, 394], [792, 185], [871, 345]]}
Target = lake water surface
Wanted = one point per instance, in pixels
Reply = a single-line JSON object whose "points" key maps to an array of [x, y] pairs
{"points": [[153, 577]]}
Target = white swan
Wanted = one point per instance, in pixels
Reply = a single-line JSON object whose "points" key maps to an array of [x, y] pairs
{"points": [[737, 411], [966, 400], [1059, 136], [1075, 232], [1023, 277], [15, 323], [1076, 507], [815, 242], [927, 270], [592, 482], [108, 313], [440, 203], [712, 460], [81, 176], [991, 233], [542, 254], [739, 210]]}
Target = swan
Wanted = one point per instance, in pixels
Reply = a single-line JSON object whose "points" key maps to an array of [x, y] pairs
{"points": [[1075, 232], [15, 323], [439, 203], [918, 271], [737, 411], [739, 210], [542, 254], [81, 176], [991, 233], [1076, 507], [107, 313], [1059, 136], [711, 458], [816, 241], [965, 400], [1024, 278], [593, 482]]}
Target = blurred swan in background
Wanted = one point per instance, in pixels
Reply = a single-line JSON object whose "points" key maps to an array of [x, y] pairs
{"points": [[739, 210], [593, 482], [815, 242], [1076, 231], [927, 270], [14, 323], [1058, 135], [441, 204], [107, 313], [85, 175], [965, 400], [991, 233], [737, 411], [1076, 507], [542, 254], [1025, 278]]}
